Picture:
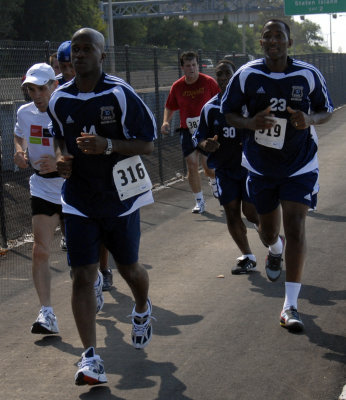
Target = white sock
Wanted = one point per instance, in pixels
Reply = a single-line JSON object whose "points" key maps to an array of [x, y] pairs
{"points": [[292, 290], [276, 248], [249, 256], [198, 196], [48, 309]]}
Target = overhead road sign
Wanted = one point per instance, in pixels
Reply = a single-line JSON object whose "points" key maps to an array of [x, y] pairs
{"points": [[303, 7]]}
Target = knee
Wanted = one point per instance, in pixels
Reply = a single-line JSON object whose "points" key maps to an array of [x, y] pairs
{"points": [[40, 253], [132, 272], [84, 277], [269, 237]]}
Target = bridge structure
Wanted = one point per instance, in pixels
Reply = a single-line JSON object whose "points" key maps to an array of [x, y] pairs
{"points": [[195, 9], [238, 11]]}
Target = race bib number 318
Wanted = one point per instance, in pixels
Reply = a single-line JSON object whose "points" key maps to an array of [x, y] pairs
{"points": [[131, 178]]}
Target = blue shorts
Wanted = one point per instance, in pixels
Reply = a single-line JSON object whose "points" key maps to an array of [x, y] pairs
{"points": [[120, 235], [231, 185], [186, 142], [267, 193]]}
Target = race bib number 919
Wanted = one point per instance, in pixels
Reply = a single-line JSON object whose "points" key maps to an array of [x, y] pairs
{"points": [[273, 137], [131, 178]]}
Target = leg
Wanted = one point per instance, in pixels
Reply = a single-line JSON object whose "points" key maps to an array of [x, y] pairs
{"points": [[192, 163], [269, 226], [43, 229], [105, 269], [137, 278], [210, 173], [103, 258], [250, 212], [84, 303], [236, 226], [294, 216]]}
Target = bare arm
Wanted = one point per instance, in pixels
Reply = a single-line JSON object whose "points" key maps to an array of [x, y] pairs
{"points": [[167, 117], [262, 120], [300, 120], [63, 158], [92, 144], [20, 156]]}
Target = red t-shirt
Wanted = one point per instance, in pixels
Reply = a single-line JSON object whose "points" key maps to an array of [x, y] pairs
{"points": [[190, 99]]}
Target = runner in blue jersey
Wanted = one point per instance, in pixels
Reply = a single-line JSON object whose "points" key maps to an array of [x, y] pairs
{"points": [[65, 65], [277, 100], [223, 144], [101, 126]]}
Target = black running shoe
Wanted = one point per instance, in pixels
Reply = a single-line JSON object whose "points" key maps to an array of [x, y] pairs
{"points": [[244, 266], [290, 319], [107, 280], [273, 265]]}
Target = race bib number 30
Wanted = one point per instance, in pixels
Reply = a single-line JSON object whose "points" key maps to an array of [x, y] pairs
{"points": [[273, 137], [131, 178]]}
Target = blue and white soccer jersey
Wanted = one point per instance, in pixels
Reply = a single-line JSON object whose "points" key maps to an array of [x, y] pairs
{"points": [[226, 160], [113, 110], [282, 151]]}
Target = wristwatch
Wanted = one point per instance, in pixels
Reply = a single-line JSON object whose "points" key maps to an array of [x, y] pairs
{"points": [[109, 148]]}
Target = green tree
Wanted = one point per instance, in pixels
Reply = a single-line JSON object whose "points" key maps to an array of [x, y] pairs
{"points": [[57, 20], [130, 31], [10, 12], [174, 33], [225, 37]]}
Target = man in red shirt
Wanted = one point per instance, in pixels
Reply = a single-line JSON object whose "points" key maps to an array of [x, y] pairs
{"points": [[188, 95]]}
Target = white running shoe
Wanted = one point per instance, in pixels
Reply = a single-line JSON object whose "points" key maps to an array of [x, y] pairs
{"points": [[91, 370], [142, 330], [98, 291], [213, 186], [46, 323], [199, 207]]}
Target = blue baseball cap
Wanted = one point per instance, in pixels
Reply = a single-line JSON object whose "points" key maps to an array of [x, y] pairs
{"points": [[64, 51]]}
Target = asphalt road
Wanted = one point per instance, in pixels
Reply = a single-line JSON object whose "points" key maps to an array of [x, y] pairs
{"points": [[215, 338]]}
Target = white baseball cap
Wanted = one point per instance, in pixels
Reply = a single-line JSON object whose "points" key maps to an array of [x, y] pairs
{"points": [[39, 74]]}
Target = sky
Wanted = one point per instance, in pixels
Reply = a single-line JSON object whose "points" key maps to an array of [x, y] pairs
{"points": [[338, 29]]}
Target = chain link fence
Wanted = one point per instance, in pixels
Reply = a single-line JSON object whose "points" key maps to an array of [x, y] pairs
{"points": [[150, 71]]}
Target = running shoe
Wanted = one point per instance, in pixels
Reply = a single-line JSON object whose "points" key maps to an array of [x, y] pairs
{"points": [[199, 207], [46, 323], [98, 292], [273, 265], [244, 266], [213, 186], [63, 244], [90, 370], [107, 279], [142, 330], [290, 319]]}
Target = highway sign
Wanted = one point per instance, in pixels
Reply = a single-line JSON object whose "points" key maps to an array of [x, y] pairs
{"points": [[303, 7]]}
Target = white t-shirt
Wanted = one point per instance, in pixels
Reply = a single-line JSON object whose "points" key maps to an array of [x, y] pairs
{"points": [[32, 125]]}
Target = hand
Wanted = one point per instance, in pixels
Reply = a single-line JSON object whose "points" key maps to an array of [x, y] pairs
{"points": [[210, 144], [64, 166], [299, 119], [21, 159], [46, 164], [165, 128], [91, 144], [262, 120]]}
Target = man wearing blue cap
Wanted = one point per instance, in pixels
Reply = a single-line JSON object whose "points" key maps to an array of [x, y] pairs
{"points": [[64, 59]]}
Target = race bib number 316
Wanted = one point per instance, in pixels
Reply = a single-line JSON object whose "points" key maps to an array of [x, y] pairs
{"points": [[131, 178]]}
